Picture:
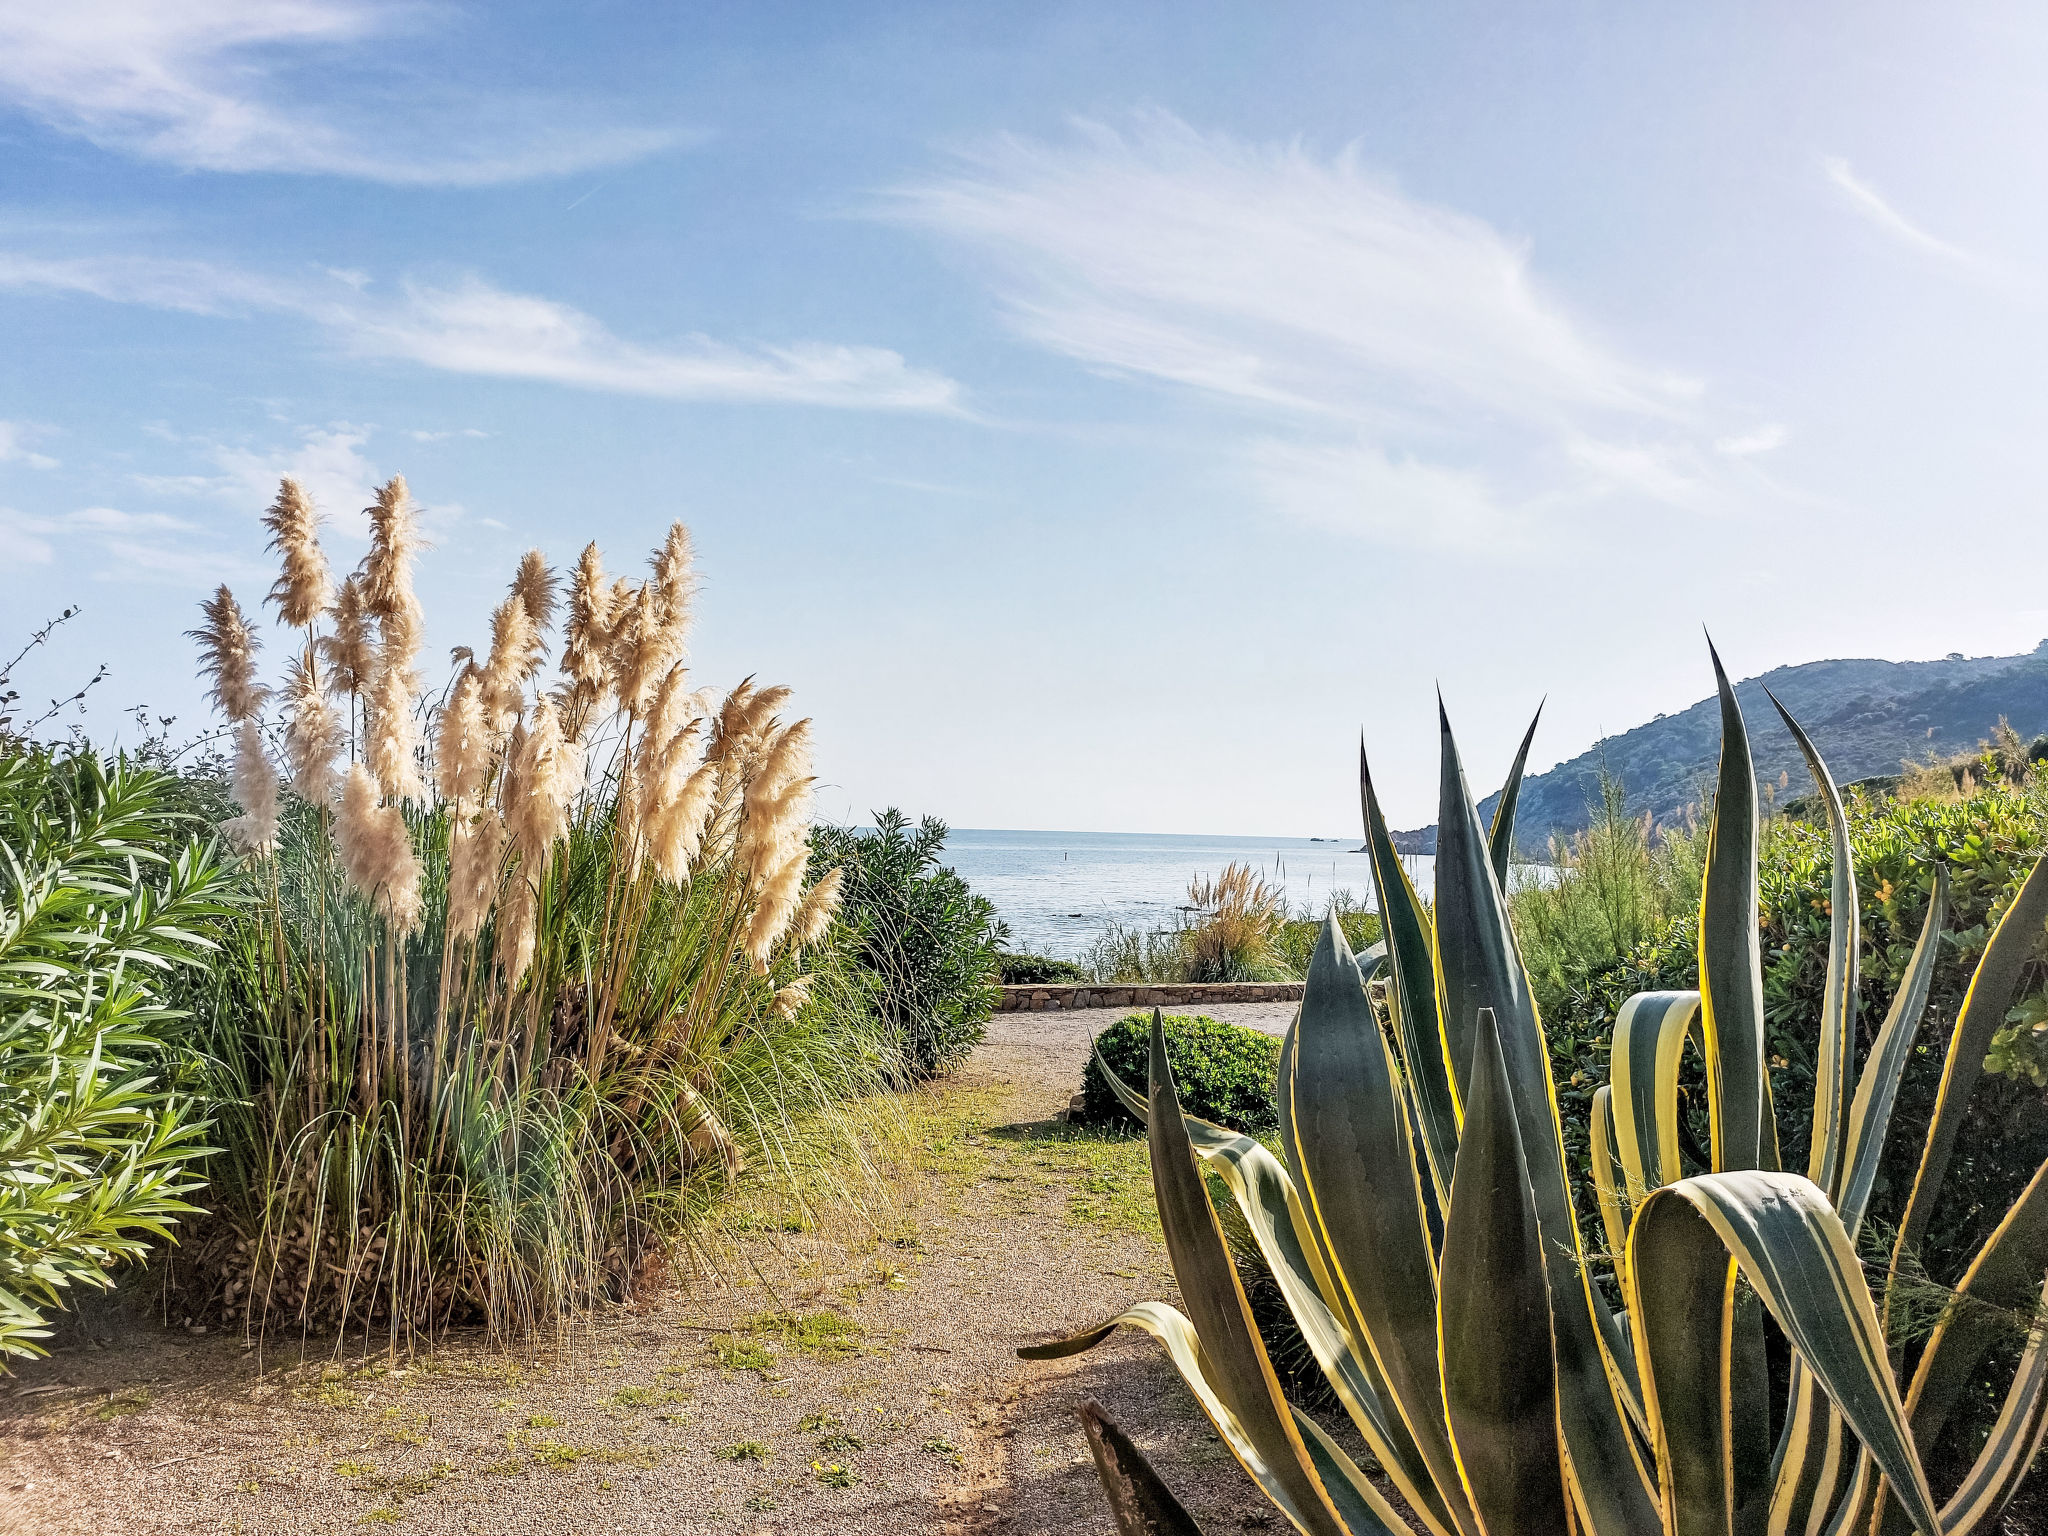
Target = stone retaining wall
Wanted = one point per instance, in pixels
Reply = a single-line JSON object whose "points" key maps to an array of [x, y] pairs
{"points": [[1108, 995]]}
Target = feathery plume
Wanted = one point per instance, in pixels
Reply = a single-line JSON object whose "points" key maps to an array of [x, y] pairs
{"points": [[314, 738], [792, 997], [778, 802], [476, 861], [227, 656], [774, 905], [677, 835], [534, 586], [254, 786], [515, 657], [518, 928], [586, 634], [815, 912], [304, 586], [390, 733], [675, 581], [376, 851], [462, 742], [394, 541], [639, 651], [347, 652], [550, 771]]}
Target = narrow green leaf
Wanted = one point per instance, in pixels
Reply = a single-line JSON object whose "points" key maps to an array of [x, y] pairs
{"points": [[1609, 1181], [2014, 1442], [1984, 1005], [1650, 1033], [1412, 1000], [1500, 837], [1500, 1382], [1838, 999], [1731, 957]]}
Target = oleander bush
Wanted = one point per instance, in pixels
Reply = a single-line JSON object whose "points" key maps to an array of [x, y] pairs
{"points": [[1225, 1071], [927, 948], [105, 895], [1019, 970]]}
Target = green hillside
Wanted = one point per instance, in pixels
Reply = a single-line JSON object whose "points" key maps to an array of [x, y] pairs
{"points": [[1866, 717]]}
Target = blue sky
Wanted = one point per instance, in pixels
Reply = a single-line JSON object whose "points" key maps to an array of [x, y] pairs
{"points": [[1096, 413]]}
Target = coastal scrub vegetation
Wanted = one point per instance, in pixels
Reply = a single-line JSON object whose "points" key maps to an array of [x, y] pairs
{"points": [[1707, 1353], [927, 948], [1225, 1071], [1235, 927]]}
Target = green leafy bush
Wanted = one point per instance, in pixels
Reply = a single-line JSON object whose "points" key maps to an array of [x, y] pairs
{"points": [[930, 947], [1298, 934], [102, 897], [1225, 1071], [1038, 971]]}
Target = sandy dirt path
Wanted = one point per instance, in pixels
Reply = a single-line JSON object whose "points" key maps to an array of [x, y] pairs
{"points": [[851, 1381]]}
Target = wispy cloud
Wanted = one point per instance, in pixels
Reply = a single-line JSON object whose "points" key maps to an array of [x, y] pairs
{"points": [[1764, 439], [124, 546], [1865, 199], [230, 85], [470, 326], [14, 448], [1426, 378]]}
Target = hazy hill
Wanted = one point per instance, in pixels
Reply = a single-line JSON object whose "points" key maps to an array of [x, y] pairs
{"points": [[1865, 716]]}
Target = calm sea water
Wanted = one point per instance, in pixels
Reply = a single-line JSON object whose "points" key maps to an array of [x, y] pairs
{"points": [[1057, 890]]}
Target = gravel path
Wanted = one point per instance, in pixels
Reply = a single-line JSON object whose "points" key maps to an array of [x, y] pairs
{"points": [[858, 1380]]}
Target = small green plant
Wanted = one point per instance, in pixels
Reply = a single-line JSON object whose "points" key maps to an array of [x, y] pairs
{"points": [[833, 1475], [811, 1423], [354, 1468], [758, 1504], [736, 1352], [635, 1397], [542, 1421], [1226, 1070], [841, 1444], [746, 1450], [123, 1404], [824, 1333], [939, 1447]]}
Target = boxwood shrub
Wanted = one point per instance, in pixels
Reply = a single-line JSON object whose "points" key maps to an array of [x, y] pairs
{"points": [[1224, 1071]]}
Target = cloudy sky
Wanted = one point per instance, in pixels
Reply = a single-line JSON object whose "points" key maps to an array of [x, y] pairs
{"points": [[1097, 413]]}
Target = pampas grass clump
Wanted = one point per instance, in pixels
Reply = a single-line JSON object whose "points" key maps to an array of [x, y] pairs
{"points": [[537, 969]]}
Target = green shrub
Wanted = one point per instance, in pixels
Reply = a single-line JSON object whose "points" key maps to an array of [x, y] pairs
{"points": [[1225, 1071], [103, 895], [1038, 970], [929, 946], [1298, 934]]}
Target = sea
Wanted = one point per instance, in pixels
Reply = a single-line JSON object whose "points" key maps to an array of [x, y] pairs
{"points": [[1059, 890]]}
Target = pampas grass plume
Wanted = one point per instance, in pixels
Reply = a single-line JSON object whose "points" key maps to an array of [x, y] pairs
{"points": [[347, 652], [476, 859], [376, 851], [815, 912], [304, 586], [534, 586], [515, 656], [227, 657], [462, 742], [254, 786], [394, 541], [314, 737]]}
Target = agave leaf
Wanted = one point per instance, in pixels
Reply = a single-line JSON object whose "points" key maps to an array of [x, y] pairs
{"points": [[1358, 1176], [1838, 999], [1500, 1382], [1412, 999], [2005, 1277], [1608, 1179], [1479, 967], [1731, 959], [1870, 1115], [1809, 1467], [1649, 1046], [1983, 1010], [1140, 1503], [1233, 1358], [1500, 837], [1364, 1508], [2015, 1440], [1778, 1229]]}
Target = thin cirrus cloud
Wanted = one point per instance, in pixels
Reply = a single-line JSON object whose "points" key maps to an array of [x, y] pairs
{"points": [[123, 546], [1868, 202], [1403, 371], [470, 326], [14, 446], [232, 85]]}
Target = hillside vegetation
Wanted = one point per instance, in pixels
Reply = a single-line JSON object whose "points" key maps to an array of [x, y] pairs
{"points": [[1869, 716]]}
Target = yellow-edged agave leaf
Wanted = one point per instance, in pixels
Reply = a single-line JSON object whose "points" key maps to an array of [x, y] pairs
{"points": [[1364, 1508], [2014, 1442], [1983, 1010], [1359, 1179], [1410, 940], [1139, 1502], [1172, 1329], [1811, 1460], [2003, 1282], [1838, 1000], [1731, 959], [1608, 1181], [1871, 1112], [1500, 1382], [1689, 1239], [1479, 966], [1500, 837], [1649, 1046], [1233, 1358]]}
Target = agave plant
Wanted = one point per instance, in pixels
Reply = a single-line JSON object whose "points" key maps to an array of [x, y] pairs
{"points": [[1422, 1231]]}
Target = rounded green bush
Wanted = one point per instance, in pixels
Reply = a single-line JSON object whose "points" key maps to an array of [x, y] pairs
{"points": [[1224, 1071]]}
